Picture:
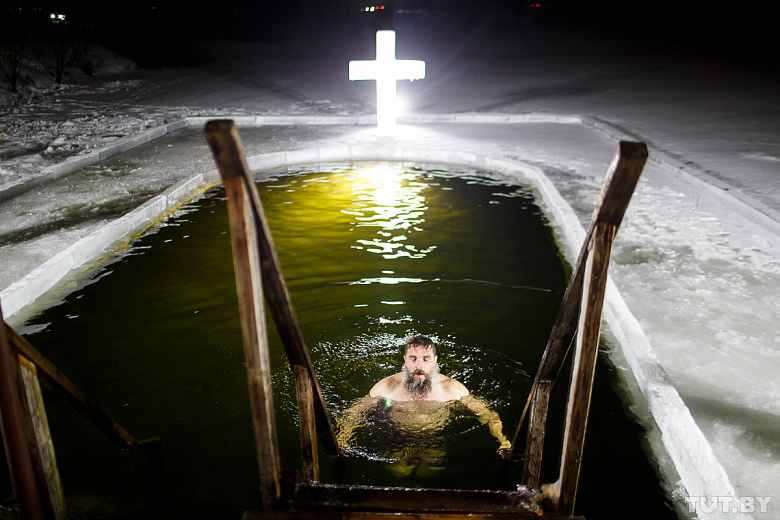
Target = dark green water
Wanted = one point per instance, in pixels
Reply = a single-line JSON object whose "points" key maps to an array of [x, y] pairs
{"points": [[370, 256]]}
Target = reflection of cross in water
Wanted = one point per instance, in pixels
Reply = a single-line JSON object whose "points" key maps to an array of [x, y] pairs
{"points": [[386, 70]]}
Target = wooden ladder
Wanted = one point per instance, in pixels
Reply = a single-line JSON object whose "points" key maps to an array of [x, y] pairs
{"points": [[259, 276]]}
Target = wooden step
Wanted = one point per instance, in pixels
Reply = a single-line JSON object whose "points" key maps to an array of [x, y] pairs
{"points": [[330, 501], [309, 496], [373, 515]]}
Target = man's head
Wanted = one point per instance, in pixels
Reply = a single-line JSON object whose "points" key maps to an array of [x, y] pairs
{"points": [[419, 341], [420, 367]]}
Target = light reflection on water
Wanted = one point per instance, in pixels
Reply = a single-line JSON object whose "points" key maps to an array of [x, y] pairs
{"points": [[370, 257], [391, 200]]}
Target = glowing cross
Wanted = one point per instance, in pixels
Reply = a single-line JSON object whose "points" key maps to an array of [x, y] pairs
{"points": [[386, 70]]}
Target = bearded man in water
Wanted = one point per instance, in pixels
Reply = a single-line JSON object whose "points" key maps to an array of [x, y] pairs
{"points": [[420, 382], [420, 379]]}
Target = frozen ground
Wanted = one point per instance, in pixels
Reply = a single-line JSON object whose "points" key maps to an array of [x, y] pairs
{"points": [[699, 274]]}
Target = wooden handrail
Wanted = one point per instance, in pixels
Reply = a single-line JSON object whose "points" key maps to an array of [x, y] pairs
{"points": [[225, 144], [226, 147], [621, 180], [72, 394], [564, 490], [30, 366], [245, 238]]}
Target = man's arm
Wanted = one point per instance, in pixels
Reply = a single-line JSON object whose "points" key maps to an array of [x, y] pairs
{"points": [[352, 418], [487, 416]]}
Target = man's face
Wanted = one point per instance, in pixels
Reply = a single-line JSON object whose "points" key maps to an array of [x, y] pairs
{"points": [[419, 362]]}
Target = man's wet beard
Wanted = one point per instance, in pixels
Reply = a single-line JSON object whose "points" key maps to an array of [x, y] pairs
{"points": [[419, 388]]}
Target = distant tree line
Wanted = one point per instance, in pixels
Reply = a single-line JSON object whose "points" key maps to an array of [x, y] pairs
{"points": [[31, 36]]}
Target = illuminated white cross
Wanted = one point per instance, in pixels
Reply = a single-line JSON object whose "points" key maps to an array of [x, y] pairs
{"points": [[386, 70]]}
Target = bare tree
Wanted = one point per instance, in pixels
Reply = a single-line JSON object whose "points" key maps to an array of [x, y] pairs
{"points": [[87, 59], [17, 32], [56, 55], [11, 59]]}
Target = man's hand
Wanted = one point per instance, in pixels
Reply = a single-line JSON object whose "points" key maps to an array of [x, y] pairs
{"points": [[504, 449]]}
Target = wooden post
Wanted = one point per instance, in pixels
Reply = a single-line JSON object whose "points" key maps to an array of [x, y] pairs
{"points": [[223, 139], [532, 461], [308, 433], [584, 368], [72, 394], [12, 419], [619, 184], [41, 447], [222, 136]]}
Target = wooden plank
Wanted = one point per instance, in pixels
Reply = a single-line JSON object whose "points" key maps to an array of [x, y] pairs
{"points": [[12, 421], [223, 140], [308, 433], [72, 394], [621, 180], [532, 461], [330, 497], [40, 443], [286, 321], [380, 515], [584, 367]]}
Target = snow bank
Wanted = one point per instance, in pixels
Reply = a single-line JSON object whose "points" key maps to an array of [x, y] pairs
{"points": [[95, 246], [69, 166]]}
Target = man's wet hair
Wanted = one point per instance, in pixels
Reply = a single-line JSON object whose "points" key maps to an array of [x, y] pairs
{"points": [[419, 341]]}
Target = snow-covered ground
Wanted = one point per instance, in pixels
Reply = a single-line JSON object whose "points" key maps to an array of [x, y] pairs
{"points": [[699, 273]]}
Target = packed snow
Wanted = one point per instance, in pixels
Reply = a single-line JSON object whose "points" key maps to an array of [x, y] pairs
{"points": [[700, 272]]}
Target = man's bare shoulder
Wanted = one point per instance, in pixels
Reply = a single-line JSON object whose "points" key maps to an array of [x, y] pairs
{"points": [[452, 389], [388, 387]]}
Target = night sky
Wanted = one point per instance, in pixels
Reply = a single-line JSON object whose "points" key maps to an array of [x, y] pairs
{"points": [[159, 32], [263, 18]]}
